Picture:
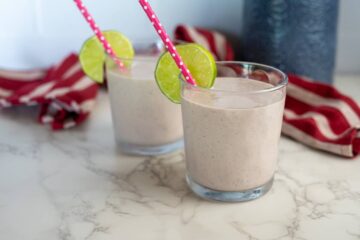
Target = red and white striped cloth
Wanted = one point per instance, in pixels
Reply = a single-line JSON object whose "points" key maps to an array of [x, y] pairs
{"points": [[211, 40], [320, 116], [65, 94], [315, 114]]}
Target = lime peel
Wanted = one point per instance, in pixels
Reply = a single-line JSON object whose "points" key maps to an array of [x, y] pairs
{"points": [[198, 60], [92, 55]]}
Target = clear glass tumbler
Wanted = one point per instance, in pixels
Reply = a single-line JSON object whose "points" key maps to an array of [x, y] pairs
{"points": [[232, 131], [145, 121]]}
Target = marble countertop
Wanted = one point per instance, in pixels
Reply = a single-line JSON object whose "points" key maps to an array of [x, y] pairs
{"points": [[73, 185]]}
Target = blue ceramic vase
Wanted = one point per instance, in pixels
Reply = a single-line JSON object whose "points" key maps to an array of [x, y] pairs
{"points": [[296, 36]]}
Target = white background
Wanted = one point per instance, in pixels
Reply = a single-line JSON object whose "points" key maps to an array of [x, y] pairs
{"points": [[36, 33]]}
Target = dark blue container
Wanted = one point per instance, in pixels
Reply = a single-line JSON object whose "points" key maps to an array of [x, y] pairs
{"points": [[296, 36]]}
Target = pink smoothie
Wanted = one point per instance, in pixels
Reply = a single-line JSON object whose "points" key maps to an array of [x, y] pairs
{"points": [[231, 140]]}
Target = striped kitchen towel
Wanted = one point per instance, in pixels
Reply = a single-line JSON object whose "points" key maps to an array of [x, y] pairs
{"points": [[65, 95], [320, 116], [211, 40], [315, 114]]}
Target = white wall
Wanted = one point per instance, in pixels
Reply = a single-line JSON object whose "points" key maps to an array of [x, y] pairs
{"points": [[37, 32]]}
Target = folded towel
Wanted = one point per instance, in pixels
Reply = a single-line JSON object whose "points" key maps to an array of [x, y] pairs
{"points": [[211, 40], [316, 114], [320, 116], [65, 94]]}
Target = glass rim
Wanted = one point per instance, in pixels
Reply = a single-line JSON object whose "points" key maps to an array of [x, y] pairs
{"points": [[144, 57], [280, 85], [141, 58]]}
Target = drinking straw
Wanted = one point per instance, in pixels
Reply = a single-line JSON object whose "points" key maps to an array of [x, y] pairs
{"points": [[98, 33], [168, 43]]}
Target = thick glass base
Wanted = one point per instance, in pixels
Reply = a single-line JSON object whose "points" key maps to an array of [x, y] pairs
{"points": [[240, 196], [135, 149]]}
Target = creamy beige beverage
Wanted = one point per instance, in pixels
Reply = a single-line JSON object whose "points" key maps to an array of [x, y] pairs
{"points": [[142, 115], [231, 139]]}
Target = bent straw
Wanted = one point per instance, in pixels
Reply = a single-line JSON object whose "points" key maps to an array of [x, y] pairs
{"points": [[165, 38], [98, 33]]}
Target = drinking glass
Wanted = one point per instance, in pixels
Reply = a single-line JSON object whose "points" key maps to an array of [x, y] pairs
{"points": [[232, 131], [145, 121]]}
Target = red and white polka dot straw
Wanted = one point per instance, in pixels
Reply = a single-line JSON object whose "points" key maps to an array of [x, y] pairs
{"points": [[98, 33], [165, 38]]}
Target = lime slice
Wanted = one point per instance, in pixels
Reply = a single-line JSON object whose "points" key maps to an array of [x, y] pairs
{"points": [[92, 55], [199, 61]]}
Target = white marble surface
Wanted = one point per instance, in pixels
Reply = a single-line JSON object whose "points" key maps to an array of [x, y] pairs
{"points": [[73, 185]]}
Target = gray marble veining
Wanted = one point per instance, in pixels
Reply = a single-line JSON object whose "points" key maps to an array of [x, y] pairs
{"points": [[73, 185]]}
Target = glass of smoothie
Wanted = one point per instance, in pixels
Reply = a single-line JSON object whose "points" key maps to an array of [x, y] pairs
{"points": [[145, 121], [232, 131]]}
